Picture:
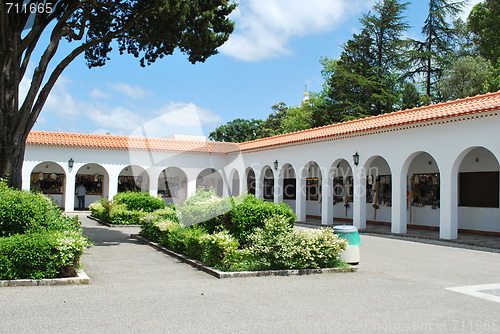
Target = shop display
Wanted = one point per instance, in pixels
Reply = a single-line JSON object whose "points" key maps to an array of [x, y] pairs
{"points": [[129, 183], [343, 191], [92, 183], [169, 186], [268, 189], [379, 190], [312, 189], [424, 190], [47, 183]]}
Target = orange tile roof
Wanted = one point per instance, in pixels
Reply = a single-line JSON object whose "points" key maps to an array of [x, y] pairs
{"points": [[461, 107], [124, 142], [457, 108]]}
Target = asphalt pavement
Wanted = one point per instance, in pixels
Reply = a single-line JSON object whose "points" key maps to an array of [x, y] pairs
{"points": [[401, 287]]}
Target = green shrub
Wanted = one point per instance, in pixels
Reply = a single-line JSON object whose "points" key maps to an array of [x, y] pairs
{"points": [[252, 213], [211, 213], [22, 211], [101, 209], [41, 254], [160, 214], [192, 241], [137, 201], [278, 246], [216, 247], [153, 230], [121, 215]]}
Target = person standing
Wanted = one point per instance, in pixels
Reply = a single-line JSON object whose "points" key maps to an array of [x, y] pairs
{"points": [[81, 191]]}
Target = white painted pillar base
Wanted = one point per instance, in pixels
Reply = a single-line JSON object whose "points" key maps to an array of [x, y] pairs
{"points": [[448, 211], [399, 203], [359, 205], [69, 190], [326, 201]]}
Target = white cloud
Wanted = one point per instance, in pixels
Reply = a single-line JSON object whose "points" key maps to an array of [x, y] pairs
{"points": [[119, 118], [264, 27], [97, 93], [178, 118], [60, 102], [131, 91]]}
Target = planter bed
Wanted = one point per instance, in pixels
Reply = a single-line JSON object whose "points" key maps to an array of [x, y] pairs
{"points": [[225, 274], [81, 278]]}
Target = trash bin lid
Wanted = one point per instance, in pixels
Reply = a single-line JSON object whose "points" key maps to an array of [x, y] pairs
{"points": [[345, 229]]}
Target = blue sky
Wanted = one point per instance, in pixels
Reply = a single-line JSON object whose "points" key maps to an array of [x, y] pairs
{"points": [[272, 55]]}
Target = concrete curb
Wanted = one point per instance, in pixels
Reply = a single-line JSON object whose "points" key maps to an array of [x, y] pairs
{"points": [[81, 278], [225, 274], [110, 225]]}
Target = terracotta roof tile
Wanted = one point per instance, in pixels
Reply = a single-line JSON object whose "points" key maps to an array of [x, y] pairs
{"points": [[470, 105], [457, 108], [124, 142]]}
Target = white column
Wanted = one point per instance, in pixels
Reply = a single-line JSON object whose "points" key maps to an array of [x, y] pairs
{"points": [[300, 196], [113, 184], [259, 185], [69, 189], [326, 200], [398, 202], [448, 211], [153, 175], [243, 183], [359, 205], [278, 187]]}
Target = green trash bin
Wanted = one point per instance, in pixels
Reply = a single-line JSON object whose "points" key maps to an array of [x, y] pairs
{"points": [[350, 233]]}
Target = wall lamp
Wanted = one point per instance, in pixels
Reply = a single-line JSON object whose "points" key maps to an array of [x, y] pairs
{"points": [[275, 164], [356, 158], [71, 162]]}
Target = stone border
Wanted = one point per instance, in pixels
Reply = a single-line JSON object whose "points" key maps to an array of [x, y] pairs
{"points": [[109, 224], [228, 274], [81, 278]]}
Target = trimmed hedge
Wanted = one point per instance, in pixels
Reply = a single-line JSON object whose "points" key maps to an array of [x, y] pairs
{"points": [[36, 239], [41, 255], [22, 212], [138, 201]]}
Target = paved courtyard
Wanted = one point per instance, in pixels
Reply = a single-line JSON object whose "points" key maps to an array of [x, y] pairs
{"points": [[401, 287]]}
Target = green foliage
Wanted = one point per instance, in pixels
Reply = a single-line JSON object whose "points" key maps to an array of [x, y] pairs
{"points": [[192, 241], [466, 77], [484, 23], [252, 213], [22, 211], [138, 201], [279, 246], [237, 131], [168, 213], [121, 215], [41, 254], [216, 247], [154, 230], [101, 208]]}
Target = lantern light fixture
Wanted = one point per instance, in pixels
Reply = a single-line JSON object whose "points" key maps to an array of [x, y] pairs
{"points": [[356, 158], [71, 162], [276, 165]]}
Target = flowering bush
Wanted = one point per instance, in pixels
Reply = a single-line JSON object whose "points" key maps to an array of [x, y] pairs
{"points": [[216, 247]]}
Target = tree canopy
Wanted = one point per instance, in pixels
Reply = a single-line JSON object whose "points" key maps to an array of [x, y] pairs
{"points": [[148, 30]]}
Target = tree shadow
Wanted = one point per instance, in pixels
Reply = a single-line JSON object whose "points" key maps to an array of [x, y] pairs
{"points": [[105, 236]]}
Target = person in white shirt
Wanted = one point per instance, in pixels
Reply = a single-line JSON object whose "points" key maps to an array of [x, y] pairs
{"points": [[80, 194]]}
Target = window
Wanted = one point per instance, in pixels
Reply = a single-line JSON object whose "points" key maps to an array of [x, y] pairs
{"points": [[289, 189], [129, 183], [312, 189], [92, 183], [479, 189], [269, 189], [379, 190], [343, 191]]}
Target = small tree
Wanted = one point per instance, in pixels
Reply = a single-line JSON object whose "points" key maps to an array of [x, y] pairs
{"points": [[146, 29]]}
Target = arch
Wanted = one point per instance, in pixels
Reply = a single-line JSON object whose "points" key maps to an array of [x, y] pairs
{"points": [[234, 176], [423, 190], [312, 175], [378, 189], [210, 178], [172, 185], [49, 178], [266, 183], [95, 179], [133, 178], [478, 192], [288, 186], [251, 181], [342, 183]]}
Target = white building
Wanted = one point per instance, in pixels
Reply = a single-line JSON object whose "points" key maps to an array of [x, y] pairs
{"points": [[434, 166]]}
